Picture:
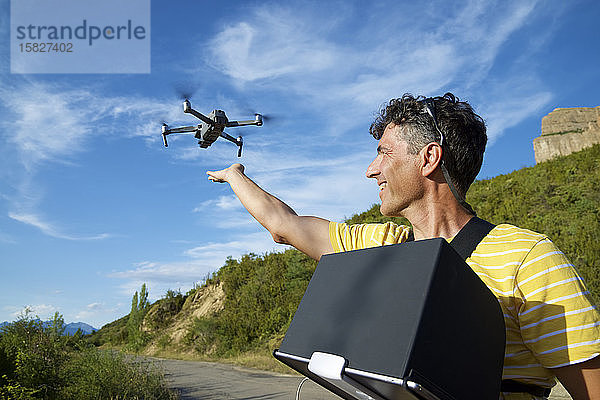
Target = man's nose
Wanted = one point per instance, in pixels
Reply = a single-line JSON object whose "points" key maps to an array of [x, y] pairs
{"points": [[373, 169]]}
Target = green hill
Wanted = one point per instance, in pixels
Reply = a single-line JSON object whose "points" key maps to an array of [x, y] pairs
{"points": [[258, 294]]}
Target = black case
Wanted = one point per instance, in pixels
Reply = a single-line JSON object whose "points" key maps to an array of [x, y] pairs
{"points": [[413, 311]]}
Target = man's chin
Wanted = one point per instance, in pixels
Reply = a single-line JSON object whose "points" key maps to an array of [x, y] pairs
{"points": [[387, 212]]}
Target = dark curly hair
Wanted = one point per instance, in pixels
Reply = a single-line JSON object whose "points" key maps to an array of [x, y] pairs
{"points": [[464, 132]]}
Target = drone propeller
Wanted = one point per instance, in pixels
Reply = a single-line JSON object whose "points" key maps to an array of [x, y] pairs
{"points": [[185, 90], [185, 95], [265, 117], [244, 132]]}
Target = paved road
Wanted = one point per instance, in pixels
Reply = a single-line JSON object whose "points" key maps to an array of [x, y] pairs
{"points": [[211, 381]]}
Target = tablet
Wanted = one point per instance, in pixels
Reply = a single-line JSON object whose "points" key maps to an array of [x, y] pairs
{"points": [[398, 322]]}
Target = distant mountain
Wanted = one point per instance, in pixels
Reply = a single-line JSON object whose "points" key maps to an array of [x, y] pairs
{"points": [[70, 329]]}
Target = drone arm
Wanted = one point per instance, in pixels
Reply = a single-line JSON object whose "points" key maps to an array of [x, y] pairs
{"points": [[198, 115], [243, 123], [182, 129], [258, 121], [166, 131], [239, 142], [229, 137]]}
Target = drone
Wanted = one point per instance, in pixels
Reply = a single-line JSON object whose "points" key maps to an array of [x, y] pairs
{"points": [[211, 128]]}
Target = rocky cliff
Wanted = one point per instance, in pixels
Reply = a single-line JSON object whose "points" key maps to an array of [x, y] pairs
{"points": [[567, 130], [207, 301]]}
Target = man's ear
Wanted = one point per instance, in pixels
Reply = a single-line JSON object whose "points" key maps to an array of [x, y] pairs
{"points": [[430, 157]]}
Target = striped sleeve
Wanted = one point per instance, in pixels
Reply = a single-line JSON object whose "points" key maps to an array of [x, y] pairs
{"points": [[557, 318], [344, 237]]}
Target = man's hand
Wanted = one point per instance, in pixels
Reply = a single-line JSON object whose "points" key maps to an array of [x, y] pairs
{"points": [[224, 175]]}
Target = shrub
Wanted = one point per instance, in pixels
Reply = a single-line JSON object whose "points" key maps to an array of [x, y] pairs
{"points": [[35, 355], [38, 362], [202, 335], [261, 297], [114, 333], [95, 374], [162, 312]]}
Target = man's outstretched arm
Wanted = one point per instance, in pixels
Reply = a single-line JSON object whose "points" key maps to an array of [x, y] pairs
{"points": [[308, 234]]}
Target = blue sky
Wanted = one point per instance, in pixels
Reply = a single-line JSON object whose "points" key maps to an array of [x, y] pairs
{"points": [[92, 205]]}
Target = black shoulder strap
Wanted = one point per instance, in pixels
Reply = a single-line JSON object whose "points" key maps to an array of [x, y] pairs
{"points": [[467, 239]]}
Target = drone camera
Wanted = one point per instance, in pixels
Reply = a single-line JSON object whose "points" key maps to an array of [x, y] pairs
{"points": [[219, 117]]}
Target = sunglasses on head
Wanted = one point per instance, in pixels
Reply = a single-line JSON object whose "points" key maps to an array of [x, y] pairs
{"points": [[429, 104]]}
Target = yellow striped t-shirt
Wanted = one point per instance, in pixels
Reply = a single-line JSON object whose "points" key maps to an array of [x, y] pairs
{"points": [[549, 316]]}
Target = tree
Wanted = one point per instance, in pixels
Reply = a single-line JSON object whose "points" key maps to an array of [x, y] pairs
{"points": [[139, 306]]}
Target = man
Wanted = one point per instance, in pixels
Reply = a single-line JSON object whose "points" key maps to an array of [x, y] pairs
{"points": [[430, 151]]}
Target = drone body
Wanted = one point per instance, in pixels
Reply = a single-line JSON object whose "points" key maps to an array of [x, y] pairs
{"points": [[211, 128]]}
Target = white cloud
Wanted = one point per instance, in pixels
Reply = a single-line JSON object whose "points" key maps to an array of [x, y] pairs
{"points": [[223, 203], [94, 306], [258, 242], [512, 111], [95, 312], [163, 272], [201, 261], [280, 45], [410, 49], [37, 109], [50, 230], [53, 124], [43, 311]]}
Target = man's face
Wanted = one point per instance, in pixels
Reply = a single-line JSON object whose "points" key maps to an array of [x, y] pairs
{"points": [[397, 173]]}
